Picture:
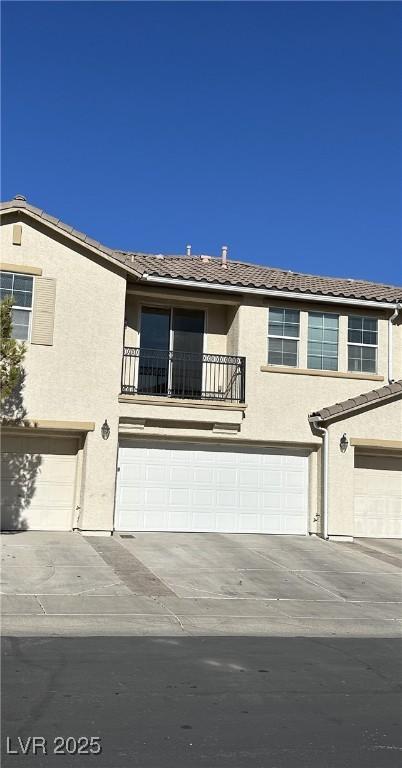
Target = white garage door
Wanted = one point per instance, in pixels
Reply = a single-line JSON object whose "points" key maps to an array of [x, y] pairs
{"points": [[37, 482], [378, 496], [181, 487]]}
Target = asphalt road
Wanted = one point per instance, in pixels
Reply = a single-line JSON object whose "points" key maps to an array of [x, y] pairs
{"points": [[205, 702]]}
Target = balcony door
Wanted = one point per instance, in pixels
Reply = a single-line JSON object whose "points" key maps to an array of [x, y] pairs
{"points": [[187, 346], [171, 346]]}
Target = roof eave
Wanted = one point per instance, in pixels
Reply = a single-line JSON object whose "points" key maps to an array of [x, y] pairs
{"points": [[299, 295], [317, 417]]}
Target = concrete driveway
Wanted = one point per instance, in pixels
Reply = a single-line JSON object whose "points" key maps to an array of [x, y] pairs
{"points": [[199, 584]]}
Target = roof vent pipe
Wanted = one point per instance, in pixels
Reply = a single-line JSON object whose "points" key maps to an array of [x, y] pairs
{"points": [[188, 250], [224, 256]]}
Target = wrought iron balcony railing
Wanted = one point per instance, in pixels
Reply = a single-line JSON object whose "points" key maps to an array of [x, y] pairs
{"points": [[183, 374]]}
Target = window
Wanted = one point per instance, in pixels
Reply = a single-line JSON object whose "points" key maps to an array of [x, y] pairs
{"points": [[362, 344], [20, 288], [283, 336], [322, 351]]}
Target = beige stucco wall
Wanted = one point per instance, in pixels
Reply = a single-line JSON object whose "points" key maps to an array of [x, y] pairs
{"points": [[78, 377], [381, 423]]}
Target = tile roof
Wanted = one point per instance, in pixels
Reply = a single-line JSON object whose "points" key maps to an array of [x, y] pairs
{"points": [[208, 269], [374, 397], [239, 273]]}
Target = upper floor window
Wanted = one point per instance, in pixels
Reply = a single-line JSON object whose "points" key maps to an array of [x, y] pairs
{"points": [[362, 344], [20, 287], [322, 351], [283, 336]]}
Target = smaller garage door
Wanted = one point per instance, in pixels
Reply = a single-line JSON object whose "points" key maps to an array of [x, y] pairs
{"points": [[378, 496], [38, 482], [170, 486]]}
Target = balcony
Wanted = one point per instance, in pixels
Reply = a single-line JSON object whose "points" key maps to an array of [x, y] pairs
{"points": [[187, 375]]}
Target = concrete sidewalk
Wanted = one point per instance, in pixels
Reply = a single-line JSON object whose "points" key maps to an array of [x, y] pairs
{"points": [[199, 584]]}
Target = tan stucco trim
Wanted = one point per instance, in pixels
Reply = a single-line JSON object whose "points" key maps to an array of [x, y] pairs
{"points": [[313, 372], [177, 403], [77, 426], [305, 447], [21, 268], [67, 426], [390, 445]]}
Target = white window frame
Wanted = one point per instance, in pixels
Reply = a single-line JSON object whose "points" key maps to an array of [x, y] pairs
{"points": [[334, 314], [362, 344], [285, 338], [24, 309]]}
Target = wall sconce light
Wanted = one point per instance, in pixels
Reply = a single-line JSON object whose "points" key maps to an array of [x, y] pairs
{"points": [[343, 443], [105, 430]]}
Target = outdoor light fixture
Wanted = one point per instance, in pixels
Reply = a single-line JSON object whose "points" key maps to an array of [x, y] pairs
{"points": [[105, 430], [343, 443]]}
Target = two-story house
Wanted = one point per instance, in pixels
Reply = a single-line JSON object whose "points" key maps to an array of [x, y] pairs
{"points": [[196, 393]]}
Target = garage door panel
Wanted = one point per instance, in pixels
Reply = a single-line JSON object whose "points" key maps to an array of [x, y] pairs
{"points": [[130, 472], [227, 498], [271, 478], [208, 488], [222, 477], [203, 476], [292, 524], [249, 523], [179, 497], [203, 498], [293, 479], [153, 519], [177, 519], [249, 477], [271, 501], [293, 503], [203, 521], [271, 523], [249, 500]]}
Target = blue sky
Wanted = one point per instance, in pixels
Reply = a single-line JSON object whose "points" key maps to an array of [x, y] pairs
{"points": [[275, 128]]}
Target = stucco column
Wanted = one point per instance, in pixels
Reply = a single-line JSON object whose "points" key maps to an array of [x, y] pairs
{"points": [[98, 480], [340, 485]]}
